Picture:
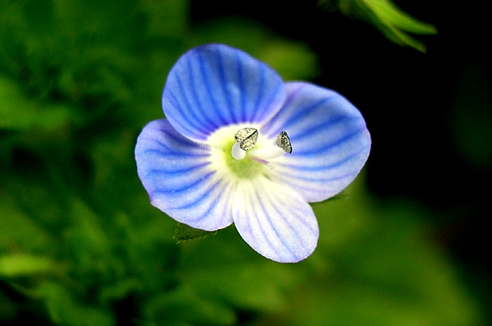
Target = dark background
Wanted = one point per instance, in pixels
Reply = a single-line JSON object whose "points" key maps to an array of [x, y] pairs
{"points": [[430, 114]]}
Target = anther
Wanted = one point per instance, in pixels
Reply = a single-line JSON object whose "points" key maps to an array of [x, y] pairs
{"points": [[283, 141], [246, 138]]}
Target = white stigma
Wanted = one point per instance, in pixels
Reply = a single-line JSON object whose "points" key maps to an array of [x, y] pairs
{"points": [[237, 152]]}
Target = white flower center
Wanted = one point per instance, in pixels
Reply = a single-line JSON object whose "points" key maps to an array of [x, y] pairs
{"points": [[241, 152]]}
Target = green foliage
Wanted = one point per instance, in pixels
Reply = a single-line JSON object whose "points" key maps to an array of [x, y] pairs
{"points": [[184, 232], [24, 265], [389, 19], [80, 243]]}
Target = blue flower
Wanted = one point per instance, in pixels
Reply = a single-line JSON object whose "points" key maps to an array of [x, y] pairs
{"points": [[241, 146]]}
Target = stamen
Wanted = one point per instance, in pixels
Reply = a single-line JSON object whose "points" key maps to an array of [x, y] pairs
{"points": [[267, 153], [246, 138], [270, 165], [283, 141]]}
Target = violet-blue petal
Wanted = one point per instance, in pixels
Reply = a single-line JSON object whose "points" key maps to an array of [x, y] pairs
{"points": [[330, 141], [177, 175], [214, 85], [274, 220]]}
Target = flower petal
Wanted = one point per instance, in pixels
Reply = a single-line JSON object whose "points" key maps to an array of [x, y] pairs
{"points": [[215, 85], [330, 141], [177, 175], [274, 220]]}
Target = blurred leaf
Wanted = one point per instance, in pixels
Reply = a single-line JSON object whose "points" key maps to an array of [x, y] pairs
{"points": [[24, 265], [381, 269], [169, 18], [20, 232], [225, 268], [292, 60], [64, 310], [389, 19], [119, 290], [184, 232], [183, 307], [19, 112]]}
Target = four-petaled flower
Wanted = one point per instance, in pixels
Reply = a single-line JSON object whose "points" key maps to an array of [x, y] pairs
{"points": [[241, 146]]}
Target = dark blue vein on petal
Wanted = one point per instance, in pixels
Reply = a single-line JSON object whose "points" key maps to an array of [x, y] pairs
{"points": [[329, 146], [206, 83], [203, 114], [186, 187], [331, 166], [259, 95], [317, 126], [205, 193], [294, 183], [302, 112], [198, 125], [179, 122], [291, 227], [281, 215], [169, 154], [179, 140], [270, 103], [242, 90], [317, 179], [223, 83], [174, 171], [261, 227], [272, 224], [212, 204], [171, 148], [178, 105]]}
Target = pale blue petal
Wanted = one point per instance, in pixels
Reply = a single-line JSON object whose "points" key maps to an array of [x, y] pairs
{"points": [[274, 220], [177, 175], [330, 141], [215, 85]]}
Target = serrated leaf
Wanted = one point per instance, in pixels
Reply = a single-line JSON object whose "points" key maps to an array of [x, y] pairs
{"points": [[184, 232]]}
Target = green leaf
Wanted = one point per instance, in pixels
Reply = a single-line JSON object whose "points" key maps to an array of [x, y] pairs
{"points": [[184, 232], [389, 19], [390, 14], [25, 265]]}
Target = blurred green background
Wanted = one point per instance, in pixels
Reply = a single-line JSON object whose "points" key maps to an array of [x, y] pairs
{"points": [[80, 244]]}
